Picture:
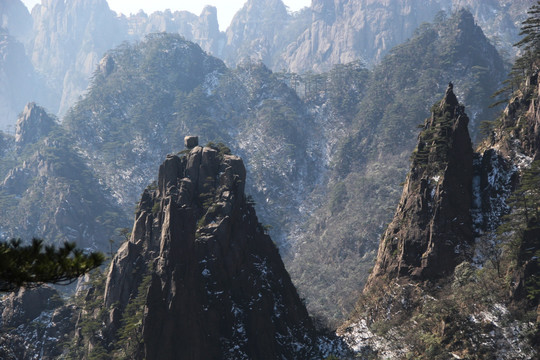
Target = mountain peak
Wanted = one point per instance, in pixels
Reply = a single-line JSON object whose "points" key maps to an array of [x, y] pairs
{"points": [[33, 124], [218, 287], [449, 96], [432, 229]]}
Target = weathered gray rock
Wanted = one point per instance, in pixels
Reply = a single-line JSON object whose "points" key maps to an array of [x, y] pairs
{"points": [[106, 65], [26, 304], [34, 323], [256, 32], [431, 232], [191, 141], [218, 286], [19, 83], [33, 124], [69, 39], [334, 32]]}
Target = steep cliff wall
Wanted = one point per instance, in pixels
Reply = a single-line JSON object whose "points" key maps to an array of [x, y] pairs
{"points": [[217, 287], [431, 231]]}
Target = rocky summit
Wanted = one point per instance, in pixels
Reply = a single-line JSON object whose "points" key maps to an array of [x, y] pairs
{"points": [[461, 254], [215, 286], [431, 231], [33, 124]]}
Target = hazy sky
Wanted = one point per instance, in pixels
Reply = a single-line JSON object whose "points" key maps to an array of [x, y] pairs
{"points": [[225, 8]]}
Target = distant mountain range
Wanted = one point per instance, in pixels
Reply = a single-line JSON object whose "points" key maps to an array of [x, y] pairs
{"points": [[64, 41]]}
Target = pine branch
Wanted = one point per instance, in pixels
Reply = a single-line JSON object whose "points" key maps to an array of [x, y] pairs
{"points": [[35, 264]]}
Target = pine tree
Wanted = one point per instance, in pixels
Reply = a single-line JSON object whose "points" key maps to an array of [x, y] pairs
{"points": [[525, 200], [525, 63], [35, 264], [531, 32], [520, 229]]}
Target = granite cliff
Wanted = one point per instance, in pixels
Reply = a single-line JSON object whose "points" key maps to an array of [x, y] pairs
{"points": [[432, 230], [214, 285], [461, 254], [34, 321], [370, 156]]}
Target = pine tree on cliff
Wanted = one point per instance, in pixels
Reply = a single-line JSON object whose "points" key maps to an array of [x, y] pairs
{"points": [[525, 63], [531, 31]]}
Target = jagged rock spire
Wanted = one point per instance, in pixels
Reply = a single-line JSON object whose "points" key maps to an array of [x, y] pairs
{"points": [[33, 124], [432, 229], [218, 287]]}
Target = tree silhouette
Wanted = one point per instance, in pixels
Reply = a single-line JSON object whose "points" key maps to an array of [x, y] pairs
{"points": [[35, 264], [531, 31]]}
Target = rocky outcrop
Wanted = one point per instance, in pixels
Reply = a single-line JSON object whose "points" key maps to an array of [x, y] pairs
{"points": [[517, 135], [343, 31], [500, 20], [191, 141], [432, 229], [437, 201], [218, 288], [206, 32], [34, 321], [33, 124], [510, 147], [26, 304], [106, 65], [202, 29], [515, 143]]}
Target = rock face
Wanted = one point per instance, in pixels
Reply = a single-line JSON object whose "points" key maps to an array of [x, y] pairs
{"points": [[515, 144], [19, 83], [15, 18], [343, 31], [334, 32], [432, 229], [520, 121], [203, 29], [32, 125], [256, 32], [503, 166], [218, 287], [68, 41], [33, 322], [26, 304], [500, 20]]}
